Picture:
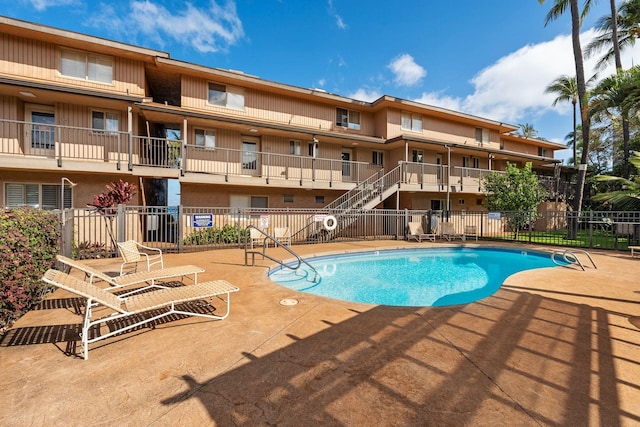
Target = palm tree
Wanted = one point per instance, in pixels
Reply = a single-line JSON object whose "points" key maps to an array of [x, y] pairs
{"points": [[626, 26], [627, 196], [608, 101], [557, 9], [527, 130], [566, 89]]}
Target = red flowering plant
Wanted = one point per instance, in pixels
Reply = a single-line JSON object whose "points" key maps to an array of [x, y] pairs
{"points": [[106, 203]]}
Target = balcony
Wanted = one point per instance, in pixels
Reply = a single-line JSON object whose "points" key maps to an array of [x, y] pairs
{"points": [[48, 147]]}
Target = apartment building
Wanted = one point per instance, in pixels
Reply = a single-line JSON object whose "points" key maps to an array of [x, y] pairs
{"points": [[82, 109]]}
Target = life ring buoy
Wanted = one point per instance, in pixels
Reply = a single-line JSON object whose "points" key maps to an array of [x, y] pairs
{"points": [[330, 222]]}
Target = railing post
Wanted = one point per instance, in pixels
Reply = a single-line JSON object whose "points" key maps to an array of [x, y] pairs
{"points": [[130, 138], [183, 156], [119, 147], [179, 231], [226, 168], [121, 224], [590, 228], [59, 138], [267, 166]]}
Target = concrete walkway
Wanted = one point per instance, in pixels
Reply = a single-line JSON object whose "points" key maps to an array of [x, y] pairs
{"points": [[553, 347]]}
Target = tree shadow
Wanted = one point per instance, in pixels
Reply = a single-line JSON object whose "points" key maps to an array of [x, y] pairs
{"points": [[517, 357]]}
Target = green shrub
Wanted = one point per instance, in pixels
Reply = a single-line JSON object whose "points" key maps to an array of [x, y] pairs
{"points": [[213, 235], [28, 246]]}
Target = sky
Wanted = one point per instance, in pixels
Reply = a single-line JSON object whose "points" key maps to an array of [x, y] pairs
{"points": [[490, 59]]}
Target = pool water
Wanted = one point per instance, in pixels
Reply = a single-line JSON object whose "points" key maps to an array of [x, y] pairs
{"points": [[412, 277]]}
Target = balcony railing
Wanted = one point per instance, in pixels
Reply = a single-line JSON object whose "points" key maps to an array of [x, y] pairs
{"points": [[121, 148]]}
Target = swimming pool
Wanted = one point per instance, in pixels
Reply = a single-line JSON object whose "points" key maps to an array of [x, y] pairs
{"points": [[412, 277]]}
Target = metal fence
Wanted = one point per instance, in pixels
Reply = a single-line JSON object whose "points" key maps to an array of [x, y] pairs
{"points": [[93, 234]]}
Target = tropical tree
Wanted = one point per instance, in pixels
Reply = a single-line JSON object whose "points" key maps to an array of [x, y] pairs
{"points": [[527, 130], [117, 193], [516, 193], [557, 9], [608, 102], [627, 194], [566, 90], [623, 26]]}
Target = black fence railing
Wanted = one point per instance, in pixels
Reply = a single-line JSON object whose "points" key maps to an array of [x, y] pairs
{"points": [[187, 229]]}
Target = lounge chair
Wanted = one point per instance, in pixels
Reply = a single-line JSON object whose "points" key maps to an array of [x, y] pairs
{"points": [[133, 252], [256, 237], [149, 277], [416, 232], [282, 235], [158, 304], [448, 231], [470, 231]]}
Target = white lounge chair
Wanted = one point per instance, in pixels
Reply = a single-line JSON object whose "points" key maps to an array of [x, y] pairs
{"points": [[148, 277], [416, 232], [448, 231], [133, 252], [257, 238], [470, 231], [282, 235], [156, 304]]}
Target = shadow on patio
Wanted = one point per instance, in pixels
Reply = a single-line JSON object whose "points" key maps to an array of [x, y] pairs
{"points": [[516, 357]]}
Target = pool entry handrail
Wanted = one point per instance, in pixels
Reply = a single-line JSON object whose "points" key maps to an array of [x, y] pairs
{"points": [[570, 256], [266, 237]]}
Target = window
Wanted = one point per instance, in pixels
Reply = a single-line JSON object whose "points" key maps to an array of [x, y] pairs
{"points": [[417, 156], [45, 196], [482, 136], [348, 119], [287, 198], [86, 66], [294, 148], [542, 152], [205, 138], [461, 201], [412, 122], [224, 96], [101, 122], [320, 200], [465, 162], [377, 158], [475, 163]]}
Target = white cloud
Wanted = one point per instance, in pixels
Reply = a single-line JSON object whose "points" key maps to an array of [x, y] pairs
{"points": [[365, 95], [439, 100], [209, 29], [513, 89], [332, 12], [406, 71], [45, 4]]}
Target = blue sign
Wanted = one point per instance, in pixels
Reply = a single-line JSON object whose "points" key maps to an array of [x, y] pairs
{"points": [[203, 220]]}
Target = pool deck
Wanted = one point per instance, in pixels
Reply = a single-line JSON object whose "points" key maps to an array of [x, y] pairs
{"points": [[553, 347]]}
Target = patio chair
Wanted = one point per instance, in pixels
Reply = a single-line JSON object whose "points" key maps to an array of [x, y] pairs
{"points": [[140, 309], [257, 238], [470, 231], [448, 231], [282, 235], [149, 277], [416, 232], [133, 252]]}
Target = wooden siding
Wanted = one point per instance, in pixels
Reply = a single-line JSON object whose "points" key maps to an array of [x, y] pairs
{"points": [[273, 108], [40, 61], [438, 129]]}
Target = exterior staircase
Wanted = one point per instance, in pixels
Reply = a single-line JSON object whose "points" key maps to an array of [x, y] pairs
{"points": [[364, 196]]}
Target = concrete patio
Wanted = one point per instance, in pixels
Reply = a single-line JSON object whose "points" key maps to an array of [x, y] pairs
{"points": [[553, 347]]}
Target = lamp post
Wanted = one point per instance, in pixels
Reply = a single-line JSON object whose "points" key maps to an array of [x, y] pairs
{"points": [[63, 216]]}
